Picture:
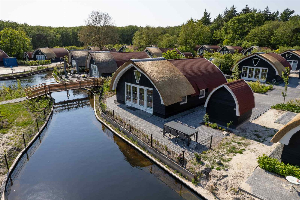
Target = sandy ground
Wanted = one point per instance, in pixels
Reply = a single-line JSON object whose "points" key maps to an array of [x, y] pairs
{"points": [[225, 183], [7, 70]]}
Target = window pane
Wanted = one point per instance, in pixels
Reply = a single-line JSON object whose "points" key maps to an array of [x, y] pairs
{"points": [[257, 72], [128, 93], [141, 97], [134, 94], [250, 75], [244, 71], [263, 76], [150, 99]]}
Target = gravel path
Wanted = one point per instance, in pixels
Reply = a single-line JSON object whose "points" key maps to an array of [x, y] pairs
{"points": [[13, 100]]}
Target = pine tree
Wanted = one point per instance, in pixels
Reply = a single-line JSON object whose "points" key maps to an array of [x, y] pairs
{"points": [[206, 18]]}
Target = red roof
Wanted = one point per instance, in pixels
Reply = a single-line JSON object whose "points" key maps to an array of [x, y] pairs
{"points": [[201, 73], [29, 53], [3, 55], [122, 57], [188, 54], [243, 94], [212, 47], [281, 59], [60, 52]]}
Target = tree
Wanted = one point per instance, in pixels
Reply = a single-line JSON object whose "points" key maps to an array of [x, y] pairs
{"points": [[246, 10], [285, 77], [126, 34], [99, 30], [286, 14], [172, 54], [167, 41], [194, 33], [14, 42], [206, 18], [229, 14]]}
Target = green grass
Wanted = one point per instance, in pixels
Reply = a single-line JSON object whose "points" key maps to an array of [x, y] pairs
{"points": [[292, 106], [11, 92], [258, 87]]}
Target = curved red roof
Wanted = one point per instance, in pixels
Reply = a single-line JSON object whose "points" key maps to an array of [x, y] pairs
{"points": [[201, 73], [243, 94], [122, 57], [3, 55], [281, 59]]}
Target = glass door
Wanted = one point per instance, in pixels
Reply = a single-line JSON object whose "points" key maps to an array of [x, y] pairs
{"points": [[128, 94], [250, 73], [150, 100], [134, 95], [142, 97], [257, 73]]}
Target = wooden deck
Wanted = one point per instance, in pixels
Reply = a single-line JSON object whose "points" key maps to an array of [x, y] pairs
{"points": [[43, 89]]}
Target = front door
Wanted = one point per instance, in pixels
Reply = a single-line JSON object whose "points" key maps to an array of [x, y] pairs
{"points": [[94, 71], [139, 97], [294, 64]]}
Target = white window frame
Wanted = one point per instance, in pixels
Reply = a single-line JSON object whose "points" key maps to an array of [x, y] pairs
{"points": [[137, 105], [293, 61], [253, 78], [183, 101], [95, 73], [203, 95]]}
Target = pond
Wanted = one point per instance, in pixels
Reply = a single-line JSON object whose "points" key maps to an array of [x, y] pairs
{"points": [[79, 158]]}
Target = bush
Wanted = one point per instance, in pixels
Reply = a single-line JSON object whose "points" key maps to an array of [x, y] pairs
{"points": [[258, 87], [273, 165], [34, 62], [292, 106]]}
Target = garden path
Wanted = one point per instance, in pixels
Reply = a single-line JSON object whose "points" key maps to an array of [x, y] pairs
{"points": [[13, 100]]}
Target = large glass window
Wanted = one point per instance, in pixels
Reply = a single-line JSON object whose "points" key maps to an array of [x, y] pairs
{"points": [[149, 98], [263, 76], [244, 71], [257, 73], [250, 73]]}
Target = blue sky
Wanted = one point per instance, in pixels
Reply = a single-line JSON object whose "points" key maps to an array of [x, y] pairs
{"points": [[127, 12]]}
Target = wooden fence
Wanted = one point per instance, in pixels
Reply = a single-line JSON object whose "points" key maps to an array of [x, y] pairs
{"points": [[43, 89]]}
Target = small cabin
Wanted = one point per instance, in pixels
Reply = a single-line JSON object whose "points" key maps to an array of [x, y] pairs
{"points": [[28, 56], [289, 137], [2, 55], [230, 102], [43, 54], [293, 57], [155, 52], [230, 49], [264, 67], [165, 87], [77, 59], [104, 63], [60, 53], [250, 50], [208, 48]]}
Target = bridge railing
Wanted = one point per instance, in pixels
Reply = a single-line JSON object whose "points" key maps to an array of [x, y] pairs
{"points": [[43, 89]]}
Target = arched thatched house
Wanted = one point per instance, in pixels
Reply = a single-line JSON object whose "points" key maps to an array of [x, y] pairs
{"points": [[208, 48], [104, 63], [230, 102], [165, 87], [265, 67], [43, 54], [2, 55], [293, 57], [78, 58], [60, 53], [289, 137], [230, 49]]}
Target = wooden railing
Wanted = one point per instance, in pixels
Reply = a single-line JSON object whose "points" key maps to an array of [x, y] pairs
{"points": [[43, 89]]}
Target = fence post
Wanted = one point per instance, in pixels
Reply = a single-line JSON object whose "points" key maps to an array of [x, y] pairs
{"points": [[210, 142], [182, 158], [151, 140], [6, 162], [44, 113], [113, 113], [24, 140]]}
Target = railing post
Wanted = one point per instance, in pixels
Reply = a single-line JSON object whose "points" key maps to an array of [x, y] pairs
{"points": [[151, 140], [182, 158], [6, 162], [24, 140], [210, 142]]}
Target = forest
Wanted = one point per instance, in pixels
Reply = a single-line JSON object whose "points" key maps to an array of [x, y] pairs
{"points": [[248, 27]]}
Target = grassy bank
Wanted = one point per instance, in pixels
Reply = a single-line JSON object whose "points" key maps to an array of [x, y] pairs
{"points": [[18, 119], [292, 106], [11, 92]]}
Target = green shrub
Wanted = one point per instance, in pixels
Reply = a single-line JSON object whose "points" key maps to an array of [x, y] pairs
{"points": [[34, 62], [273, 165], [259, 87], [292, 106]]}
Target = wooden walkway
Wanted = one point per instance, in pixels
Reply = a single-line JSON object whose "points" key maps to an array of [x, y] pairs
{"points": [[43, 89]]}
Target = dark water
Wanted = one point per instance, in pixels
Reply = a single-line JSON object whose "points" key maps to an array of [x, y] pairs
{"points": [[36, 79], [78, 158]]}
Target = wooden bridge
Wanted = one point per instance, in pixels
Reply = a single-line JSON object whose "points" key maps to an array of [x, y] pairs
{"points": [[71, 104], [43, 89]]}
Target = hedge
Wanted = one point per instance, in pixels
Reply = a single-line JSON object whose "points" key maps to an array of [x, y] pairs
{"points": [[273, 165], [34, 62]]}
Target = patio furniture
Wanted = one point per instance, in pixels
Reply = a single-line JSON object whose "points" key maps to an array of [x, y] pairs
{"points": [[181, 130]]}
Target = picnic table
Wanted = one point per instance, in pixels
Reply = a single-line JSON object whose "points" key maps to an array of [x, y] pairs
{"points": [[181, 130]]}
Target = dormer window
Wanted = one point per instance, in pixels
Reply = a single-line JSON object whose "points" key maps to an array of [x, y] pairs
{"points": [[137, 75]]}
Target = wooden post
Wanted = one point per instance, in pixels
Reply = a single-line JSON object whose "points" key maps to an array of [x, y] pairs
{"points": [[44, 113], [24, 140], [210, 142], [151, 140], [113, 113], [65, 86], [182, 158], [6, 162], [37, 124]]}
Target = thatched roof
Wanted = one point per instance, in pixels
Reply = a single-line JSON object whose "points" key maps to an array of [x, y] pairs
{"points": [[60, 52], [154, 51], [212, 48], [201, 73], [170, 83], [233, 49], [2, 55], [294, 123], [297, 52], [80, 56], [48, 52], [277, 61], [104, 61], [94, 48]]}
